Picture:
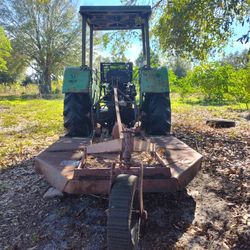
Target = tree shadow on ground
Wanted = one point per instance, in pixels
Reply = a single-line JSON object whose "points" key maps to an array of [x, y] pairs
{"points": [[30, 97], [234, 191], [169, 216], [78, 222], [225, 163], [30, 221], [203, 102], [18, 97]]}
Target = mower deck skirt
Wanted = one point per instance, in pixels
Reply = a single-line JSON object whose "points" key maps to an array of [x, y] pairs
{"points": [[59, 165]]}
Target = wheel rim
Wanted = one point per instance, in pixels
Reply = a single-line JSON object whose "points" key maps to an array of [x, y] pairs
{"points": [[135, 229], [135, 221]]}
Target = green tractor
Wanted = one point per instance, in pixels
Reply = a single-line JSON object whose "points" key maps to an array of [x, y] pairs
{"points": [[97, 105], [89, 96]]}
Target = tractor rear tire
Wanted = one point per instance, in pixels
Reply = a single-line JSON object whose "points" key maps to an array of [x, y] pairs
{"points": [[157, 120], [77, 108], [123, 225]]}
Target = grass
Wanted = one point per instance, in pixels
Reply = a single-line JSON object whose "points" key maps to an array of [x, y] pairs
{"points": [[192, 116], [225, 110], [28, 125]]}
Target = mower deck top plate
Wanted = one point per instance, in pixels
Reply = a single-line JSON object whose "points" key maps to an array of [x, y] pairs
{"points": [[59, 162]]}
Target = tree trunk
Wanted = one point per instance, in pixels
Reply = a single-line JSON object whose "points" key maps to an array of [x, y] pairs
{"points": [[47, 78], [45, 83]]}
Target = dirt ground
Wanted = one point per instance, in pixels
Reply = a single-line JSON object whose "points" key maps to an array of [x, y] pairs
{"points": [[212, 213]]}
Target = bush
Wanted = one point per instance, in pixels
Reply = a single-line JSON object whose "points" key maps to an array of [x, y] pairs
{"points": [[56, 87], [239, 85], [184, 86], [214, 82], [18, 89]]}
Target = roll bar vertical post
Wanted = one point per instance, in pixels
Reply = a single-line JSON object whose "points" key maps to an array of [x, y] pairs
{"points": [[146, 31], [91, 47], [84, 24]]}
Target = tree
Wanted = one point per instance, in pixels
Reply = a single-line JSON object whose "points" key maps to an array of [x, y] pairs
{"points": [[238, 59], [179, 66], [46, 33], [154, 59], [16, 67], [195, 28], [5, 48]]}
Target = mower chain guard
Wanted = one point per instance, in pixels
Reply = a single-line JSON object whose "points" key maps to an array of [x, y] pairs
{"points": [[154, 80], [76, 80]]}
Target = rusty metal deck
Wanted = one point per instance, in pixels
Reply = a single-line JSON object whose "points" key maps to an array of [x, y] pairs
{"points": [[58, 163]]}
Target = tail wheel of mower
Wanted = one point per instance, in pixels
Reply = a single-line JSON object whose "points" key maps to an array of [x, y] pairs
{"points": [[76, 112], [158, 114], [123, 225]]}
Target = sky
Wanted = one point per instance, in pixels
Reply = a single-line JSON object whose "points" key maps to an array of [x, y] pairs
{"points": [[133, 52]]}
